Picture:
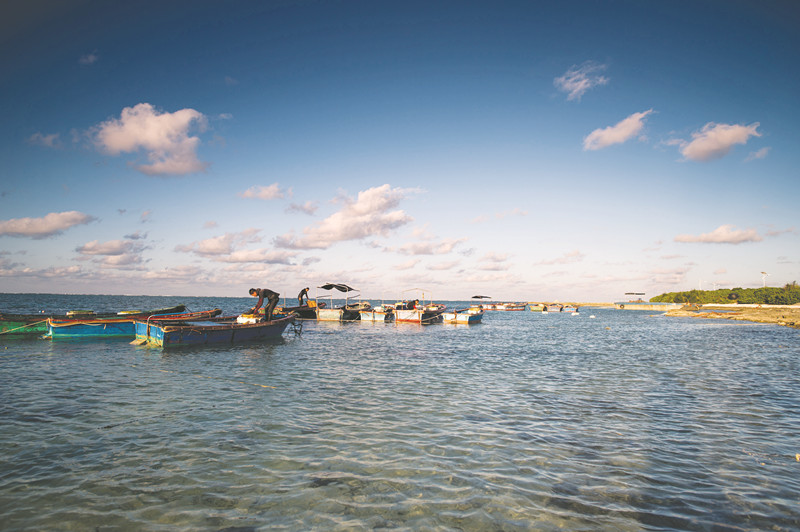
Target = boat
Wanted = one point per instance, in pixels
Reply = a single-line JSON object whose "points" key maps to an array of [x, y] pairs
{"points": [[215, 331], [414, 311], [382, 313], [466, 316], [118, 326], [553, 307], [36, 324], [303, 312], [347, 312], [507, 306], [536, 307]]}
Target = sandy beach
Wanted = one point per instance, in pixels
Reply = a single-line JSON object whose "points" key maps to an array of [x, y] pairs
{"points": [[788, 316]]}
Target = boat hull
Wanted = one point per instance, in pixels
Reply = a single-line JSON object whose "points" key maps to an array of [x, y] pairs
{"points": [[161, 334], [116, 327], [464, 318], [36, 324], [422, 316], [378, 314]]}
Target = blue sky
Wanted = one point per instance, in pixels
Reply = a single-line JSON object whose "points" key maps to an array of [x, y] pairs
{"points": [[524, 150]]}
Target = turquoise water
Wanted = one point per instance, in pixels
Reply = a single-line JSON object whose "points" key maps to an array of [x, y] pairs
{"points": [[624, 421]]}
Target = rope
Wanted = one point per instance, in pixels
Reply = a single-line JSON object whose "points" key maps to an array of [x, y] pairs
{"points": [[28, 325]]}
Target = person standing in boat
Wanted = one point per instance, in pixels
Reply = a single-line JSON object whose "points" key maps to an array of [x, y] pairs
{"points": [[272, 301], [303, 293]]}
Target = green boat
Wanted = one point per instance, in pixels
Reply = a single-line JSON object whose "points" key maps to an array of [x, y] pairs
{"points": [[36, 324]]}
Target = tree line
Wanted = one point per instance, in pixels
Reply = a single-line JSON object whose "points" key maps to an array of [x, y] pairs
{"points": [[770, 295]]}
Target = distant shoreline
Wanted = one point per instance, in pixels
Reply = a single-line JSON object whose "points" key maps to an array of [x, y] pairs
{"points": [[785, 315]]}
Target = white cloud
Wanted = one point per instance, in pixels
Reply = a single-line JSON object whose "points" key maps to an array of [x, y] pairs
{"points": [[430, 248], [112, 247], [760, 154], [270, 192], [164, 137], [370, 214], [264, 256], [715, 141], [52, 224], [407, 265], [616, 134], [724, 234], [579, 79], [221, 245], [51, 141]]}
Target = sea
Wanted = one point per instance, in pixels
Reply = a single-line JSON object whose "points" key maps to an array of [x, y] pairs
{"points": [[605, 420]]}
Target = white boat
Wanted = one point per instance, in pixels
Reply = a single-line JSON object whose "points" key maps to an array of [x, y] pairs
{"points": [[382, 313], [347, 312], [467, 316], [416, 311]]}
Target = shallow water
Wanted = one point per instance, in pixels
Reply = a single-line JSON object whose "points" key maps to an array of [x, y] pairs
{"points": [[625, 421]]}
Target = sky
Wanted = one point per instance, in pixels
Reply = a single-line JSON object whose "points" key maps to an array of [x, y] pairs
{"points": [[523, 150]]}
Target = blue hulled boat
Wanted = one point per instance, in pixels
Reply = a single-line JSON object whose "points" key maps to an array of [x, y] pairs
{"points": [[208, 332]]}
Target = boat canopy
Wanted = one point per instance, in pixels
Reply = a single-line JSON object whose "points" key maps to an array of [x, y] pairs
{"points": [[481, 297], [339, 287]]}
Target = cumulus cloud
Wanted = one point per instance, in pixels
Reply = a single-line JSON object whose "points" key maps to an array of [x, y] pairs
{"points": [[372, 213], [164, 137], [52, 224], [760, 154], [270, 192], [724, 234], [229, 248], [616, 134], [579, 79], [221, 245], [715, 141]]}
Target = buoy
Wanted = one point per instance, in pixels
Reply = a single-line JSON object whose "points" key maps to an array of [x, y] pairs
{"points": [[592, 316]]}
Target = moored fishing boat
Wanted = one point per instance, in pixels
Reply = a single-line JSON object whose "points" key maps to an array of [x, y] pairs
{"points": [[466, 316], [118, 326], [208, 332], [36, 324], [347, 312], [382, 313], [416, 311]]}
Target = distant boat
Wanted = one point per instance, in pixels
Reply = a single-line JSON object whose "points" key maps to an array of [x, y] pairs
{"points": [[536, 307], [208, 332], [36, 324], [119, 326], [553, 307]]}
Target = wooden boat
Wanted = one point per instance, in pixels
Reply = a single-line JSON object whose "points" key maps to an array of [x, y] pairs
{"points": [[504, 306], [382, 313], [466, 316], [414, 311], [217, 331], [36, 324], [303, 312], [347, 312], [552, 308], [536, 307], [119, 326]]}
